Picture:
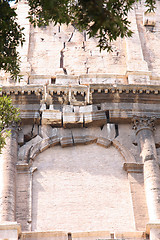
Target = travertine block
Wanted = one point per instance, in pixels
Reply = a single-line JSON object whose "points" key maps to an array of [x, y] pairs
{"points": [[52, 117], [95, 118], [72, 119], [138, 78], [81, 136], [108, 131], [101, 78], [64, 79], [88, 108], [23, 152], [47, 131], [50, 235], [68, 108], [29, 116], [66, 138], [104, 142]]}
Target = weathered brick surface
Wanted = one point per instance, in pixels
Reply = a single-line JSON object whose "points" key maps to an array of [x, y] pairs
{"points": [[139, 200], [78, 189], [22, 199]]}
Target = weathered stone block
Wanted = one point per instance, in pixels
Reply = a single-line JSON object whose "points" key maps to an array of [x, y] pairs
{"points": [[23, 152], [88, 108], [52, 117], [29, 117], [72, 119], [68, 108], [47, 131], [104, 142], [95, 119], [66, 138], [108, 131], [81, 136]]}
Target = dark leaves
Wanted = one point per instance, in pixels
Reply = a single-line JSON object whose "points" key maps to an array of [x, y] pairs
{"points": [[10, 37]]}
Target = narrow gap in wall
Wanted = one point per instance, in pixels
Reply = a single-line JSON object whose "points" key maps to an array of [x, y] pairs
{"points": [[62, 119], [61, 59], [116, 129], [47, 106], [69, 236], [99, 107], [84, 46], [72, 138], [27, 138], [59, 29], [107, 115], [101, 127], [85, 36], [40, 121], [32, 130], [83, 121], [65, 70], [53, 80], [87, 71], [38, 129], [147, 236], [71, 35], [112, 236]]}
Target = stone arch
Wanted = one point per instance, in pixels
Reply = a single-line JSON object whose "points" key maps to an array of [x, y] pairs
{"points": [[46, 143]]}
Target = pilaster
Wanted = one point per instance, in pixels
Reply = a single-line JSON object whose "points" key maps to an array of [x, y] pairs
{"points": [[144, 127], [8, 160]]}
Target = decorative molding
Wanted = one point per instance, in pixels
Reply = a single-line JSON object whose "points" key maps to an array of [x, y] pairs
{"points": [[133, 167], [145, 122]]}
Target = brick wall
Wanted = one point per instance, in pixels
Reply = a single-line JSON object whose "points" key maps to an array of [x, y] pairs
{"points": [[22, 200], [82, 188]]}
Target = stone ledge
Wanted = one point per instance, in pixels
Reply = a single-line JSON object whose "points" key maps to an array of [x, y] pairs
{"points": [[23, 167], [105, 235], [47, 234], [151, 225], [133, 167], [10, 230]]}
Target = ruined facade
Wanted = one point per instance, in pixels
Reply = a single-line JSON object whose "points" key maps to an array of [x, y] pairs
{"points": [[84, 164]]}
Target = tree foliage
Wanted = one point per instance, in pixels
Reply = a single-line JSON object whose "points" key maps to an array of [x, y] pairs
{"points": [[10, 37], [8, 115], [104, 19]]}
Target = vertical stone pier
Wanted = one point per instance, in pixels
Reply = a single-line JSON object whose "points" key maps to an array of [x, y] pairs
{"points": [[8, 160], [144, 127]]}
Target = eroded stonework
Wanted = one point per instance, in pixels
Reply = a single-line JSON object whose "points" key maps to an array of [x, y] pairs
{"points": [[84, 163]]}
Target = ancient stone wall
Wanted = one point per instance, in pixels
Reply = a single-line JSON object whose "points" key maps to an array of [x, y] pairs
{"points": [[75, 168]]}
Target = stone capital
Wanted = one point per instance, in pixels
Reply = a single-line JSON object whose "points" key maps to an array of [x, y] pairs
{"points": [[145, 122]]}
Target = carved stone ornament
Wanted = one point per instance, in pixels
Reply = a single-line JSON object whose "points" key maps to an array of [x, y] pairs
{"points": [[140, 123]]}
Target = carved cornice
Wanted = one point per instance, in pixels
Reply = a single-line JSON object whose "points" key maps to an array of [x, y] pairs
{"points": [[140, 123]]}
